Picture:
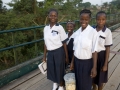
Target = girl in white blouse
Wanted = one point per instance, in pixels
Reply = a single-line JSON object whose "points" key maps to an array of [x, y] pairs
{"points": [[105, 41], [85, 55], [70, 28], [55, 43]]}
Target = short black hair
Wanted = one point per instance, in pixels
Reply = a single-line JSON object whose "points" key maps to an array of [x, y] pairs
{"points": [[101, 12], [86, 11], [53, 10]]}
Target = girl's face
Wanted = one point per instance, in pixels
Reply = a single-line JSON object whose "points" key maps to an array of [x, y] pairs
{"points": [[53, 17], [101, 20], [84, 20], [70, 27]]}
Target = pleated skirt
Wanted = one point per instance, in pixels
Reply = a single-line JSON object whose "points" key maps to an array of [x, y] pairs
{"points": [[56, 65], [102, 77], [82, 70]]}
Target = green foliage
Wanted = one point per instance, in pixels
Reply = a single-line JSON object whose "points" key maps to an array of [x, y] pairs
{"points": [[1, 4], [116, 4]]}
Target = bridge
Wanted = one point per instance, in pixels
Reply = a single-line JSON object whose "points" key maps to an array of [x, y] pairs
{"points": [[26, 75]]}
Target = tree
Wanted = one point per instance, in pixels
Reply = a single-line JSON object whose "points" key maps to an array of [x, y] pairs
{"points": [[28, 6], [1, 4], [105, 5], [86, 5], [116, 4]]}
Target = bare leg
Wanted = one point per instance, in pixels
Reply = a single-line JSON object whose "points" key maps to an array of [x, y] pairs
{"points": [[61, 86], [62, 83], [100, 87]]}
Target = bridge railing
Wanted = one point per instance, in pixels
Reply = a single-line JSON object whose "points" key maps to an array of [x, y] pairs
{"points": [[16, 52]]}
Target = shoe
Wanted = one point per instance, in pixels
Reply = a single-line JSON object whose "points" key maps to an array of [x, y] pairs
{"points": [[55, 86], [61, 88]]}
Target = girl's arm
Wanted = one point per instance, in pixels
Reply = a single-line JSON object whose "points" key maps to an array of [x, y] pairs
{"points": [[93, 71], [66, 52], [72, 62], [45, 51], [106, 59]]}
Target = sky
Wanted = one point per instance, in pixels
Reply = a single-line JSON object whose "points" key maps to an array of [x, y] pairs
{"points": [[94, 2]]}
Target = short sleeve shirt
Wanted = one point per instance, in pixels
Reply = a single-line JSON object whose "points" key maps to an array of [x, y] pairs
{"points": [[85, 42], [54, 37], [105, 39]]}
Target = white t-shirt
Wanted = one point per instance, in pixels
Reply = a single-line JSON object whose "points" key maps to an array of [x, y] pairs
{"points": [[54, 37], [85, 42], [105, 39]]}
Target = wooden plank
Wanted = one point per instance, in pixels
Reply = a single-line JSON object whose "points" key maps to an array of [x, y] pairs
{"points": [[117, 48], [20, 80], [116, 41], [113, 64], [115, 35], [30, 82], [118, 87], [114, 81], [118, 29], [44, 85]]}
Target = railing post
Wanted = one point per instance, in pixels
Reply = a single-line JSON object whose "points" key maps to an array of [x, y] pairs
{"points": [[36, 51], [14, 50]]}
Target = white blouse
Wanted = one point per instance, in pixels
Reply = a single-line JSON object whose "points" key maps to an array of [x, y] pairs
{"points": [[85, 42], [54, 37], [105, 39]]}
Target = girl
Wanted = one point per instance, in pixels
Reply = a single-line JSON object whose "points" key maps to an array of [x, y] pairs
{"points": [[55, 43], [70, 27], [105, 41], [85, 56]]}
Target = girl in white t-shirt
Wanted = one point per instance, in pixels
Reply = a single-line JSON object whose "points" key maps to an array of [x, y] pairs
{"points": [[70, 29], [85, 56], [55, 44], [105, 41]]}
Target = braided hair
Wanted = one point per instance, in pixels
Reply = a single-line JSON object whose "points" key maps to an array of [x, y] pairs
{"points": [[53, 10], [86, 11]]}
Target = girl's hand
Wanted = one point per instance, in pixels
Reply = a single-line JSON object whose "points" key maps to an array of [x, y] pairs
{"points": [[93, 72], [44, 59], [104, 68], [71, 66]]}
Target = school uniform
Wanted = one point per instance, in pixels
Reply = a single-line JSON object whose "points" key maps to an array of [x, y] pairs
{"points": [[70, 47], [105, 40], [54, 38], [85, 43]]}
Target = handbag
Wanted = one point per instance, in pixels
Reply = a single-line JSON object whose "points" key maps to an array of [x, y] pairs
{"points": [[43, 67]]}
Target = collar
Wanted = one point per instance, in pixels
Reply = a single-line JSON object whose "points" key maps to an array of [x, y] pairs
{"points": [[57, 24], [87, 28], [104, 28]]}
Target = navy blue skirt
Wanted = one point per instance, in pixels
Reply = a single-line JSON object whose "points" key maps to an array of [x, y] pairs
{"points": [[70, 49], [102, 77], [82, 70], [56, 65]]}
